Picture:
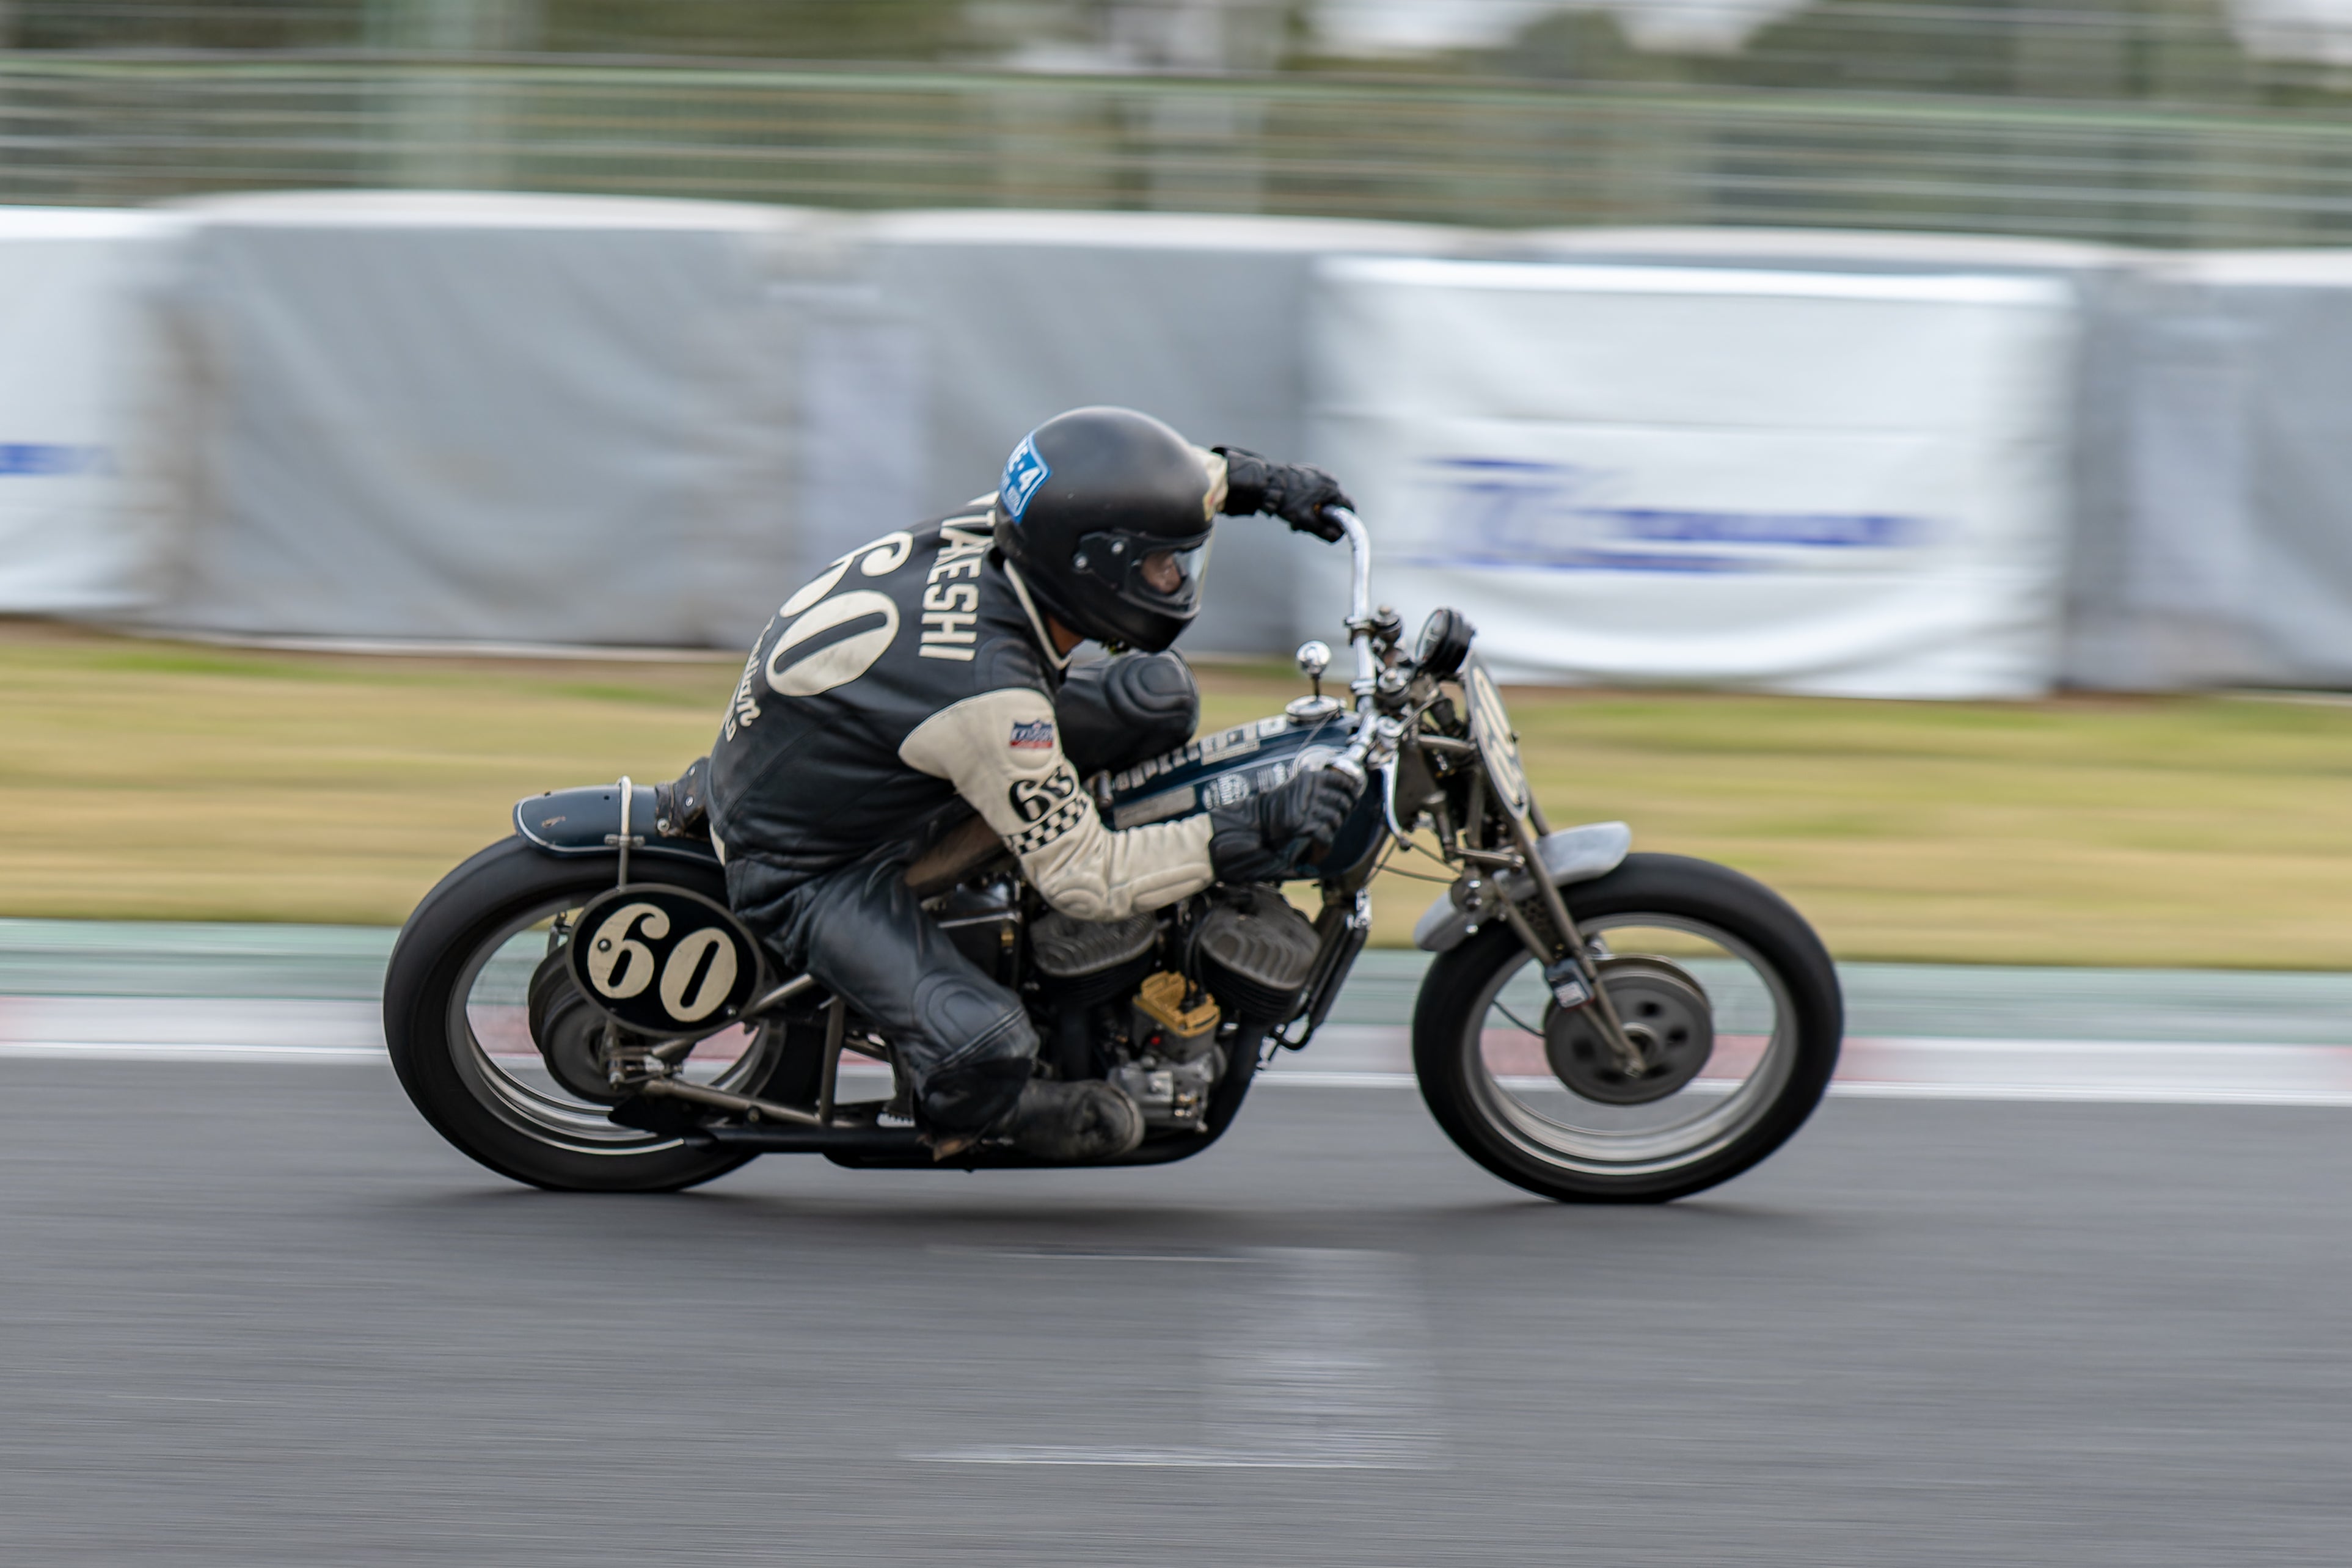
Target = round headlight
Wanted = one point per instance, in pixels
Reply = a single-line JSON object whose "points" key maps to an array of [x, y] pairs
{"points": [[1443, 642]]}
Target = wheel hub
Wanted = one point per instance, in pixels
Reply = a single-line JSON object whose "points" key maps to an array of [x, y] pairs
{"points": [[1667, 1018], [570, 1033]]}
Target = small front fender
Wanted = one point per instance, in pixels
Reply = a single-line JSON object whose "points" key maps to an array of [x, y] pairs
{"points": [[1570, 855]]}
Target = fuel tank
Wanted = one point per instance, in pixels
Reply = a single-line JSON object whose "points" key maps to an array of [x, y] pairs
{"points": [[1231, 766]]}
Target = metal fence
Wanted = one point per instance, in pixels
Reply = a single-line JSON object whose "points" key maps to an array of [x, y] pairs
{"points": [[81, 129]]}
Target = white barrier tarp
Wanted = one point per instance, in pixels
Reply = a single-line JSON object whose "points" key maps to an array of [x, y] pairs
{"points": [[68, 281], [991, 322], [449, 417], [1832, 483], [2232, 562]]}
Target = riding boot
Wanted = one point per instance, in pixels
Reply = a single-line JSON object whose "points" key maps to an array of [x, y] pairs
{"points": [[1085, 1120]]}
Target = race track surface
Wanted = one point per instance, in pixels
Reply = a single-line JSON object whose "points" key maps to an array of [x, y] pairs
{"points": [[260, 1314]]}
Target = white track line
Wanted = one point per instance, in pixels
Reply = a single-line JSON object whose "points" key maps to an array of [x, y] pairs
{"points": [[2154, 1073], [129, 1050], [1866, 1089], [2087, 1094]]}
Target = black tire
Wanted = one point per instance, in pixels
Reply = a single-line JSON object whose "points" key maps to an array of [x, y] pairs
{"points": [[1465, 1098], [442, 942]]}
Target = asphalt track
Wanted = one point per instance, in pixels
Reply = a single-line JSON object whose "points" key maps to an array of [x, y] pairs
{"points": [[256, 1313]]}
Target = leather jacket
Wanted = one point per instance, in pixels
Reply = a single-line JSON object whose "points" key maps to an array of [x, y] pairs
{"points": [[910, 683]]}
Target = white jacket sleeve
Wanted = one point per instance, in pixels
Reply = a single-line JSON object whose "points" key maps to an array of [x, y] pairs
{"points": [[1003, 754], [1216, 464]]}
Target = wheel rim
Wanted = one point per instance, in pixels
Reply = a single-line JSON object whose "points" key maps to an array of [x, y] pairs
{"points": [[1516, 1090], [491, 1046]]}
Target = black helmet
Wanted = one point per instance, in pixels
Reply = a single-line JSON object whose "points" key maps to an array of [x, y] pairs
{"points": [[1090, 497]]}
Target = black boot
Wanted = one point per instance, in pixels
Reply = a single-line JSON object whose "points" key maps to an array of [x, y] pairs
{"points": [[1085, 1120]]}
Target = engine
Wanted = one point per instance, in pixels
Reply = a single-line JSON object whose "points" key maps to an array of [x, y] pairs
{"points": [[1158, 1003]]}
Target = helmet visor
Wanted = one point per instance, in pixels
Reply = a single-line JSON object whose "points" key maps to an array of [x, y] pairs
{"points": [[1161, 575]]}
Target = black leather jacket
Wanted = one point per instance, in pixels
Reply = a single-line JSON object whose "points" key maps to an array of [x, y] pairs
{"points": [[910, 681]]}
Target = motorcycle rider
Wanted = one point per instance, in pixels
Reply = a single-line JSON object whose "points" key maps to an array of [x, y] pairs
{"points": [[926, 678]]}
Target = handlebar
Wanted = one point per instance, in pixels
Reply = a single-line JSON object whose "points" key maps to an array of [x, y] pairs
{"points": [[1359, 595], [1371, 734]]}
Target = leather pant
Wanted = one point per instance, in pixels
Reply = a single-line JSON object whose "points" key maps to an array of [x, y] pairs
{"points": [[965, 1042]]}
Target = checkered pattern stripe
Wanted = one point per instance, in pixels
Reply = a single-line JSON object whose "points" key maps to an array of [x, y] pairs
{"points": [[1051, 826]]}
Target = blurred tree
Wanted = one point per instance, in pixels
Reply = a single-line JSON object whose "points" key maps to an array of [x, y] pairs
{"points": [[188, 24], [454, 26], [2159, 51], [772, 29], [2111, 50]]}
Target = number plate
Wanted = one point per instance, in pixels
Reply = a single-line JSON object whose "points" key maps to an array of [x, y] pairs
{"points": [[664, 962], [1490, 726]]}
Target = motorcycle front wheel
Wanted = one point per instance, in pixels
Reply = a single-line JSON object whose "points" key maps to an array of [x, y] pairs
{"points": [[457, 1018], [1731, 992]]}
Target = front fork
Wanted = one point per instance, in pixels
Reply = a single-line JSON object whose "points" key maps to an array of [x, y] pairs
{"points": [[1571, 971], [1574, 977]]}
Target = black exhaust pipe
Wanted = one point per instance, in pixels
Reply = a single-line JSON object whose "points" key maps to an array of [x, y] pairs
{"points": [[788, 1138]]}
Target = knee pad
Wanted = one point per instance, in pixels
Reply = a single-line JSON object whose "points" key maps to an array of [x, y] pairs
{"points": [[1125, 710]]}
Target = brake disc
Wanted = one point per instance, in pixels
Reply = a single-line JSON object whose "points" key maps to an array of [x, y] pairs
{"points": [[1666, 1013]]}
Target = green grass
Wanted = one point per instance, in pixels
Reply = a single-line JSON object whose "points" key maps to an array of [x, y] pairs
{"points": [[157, 780]]}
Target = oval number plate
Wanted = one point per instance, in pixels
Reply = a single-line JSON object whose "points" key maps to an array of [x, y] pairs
{"points": [[664, 962]]}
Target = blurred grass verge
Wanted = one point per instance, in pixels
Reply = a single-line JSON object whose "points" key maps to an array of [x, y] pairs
{"points": [[162, 781]]}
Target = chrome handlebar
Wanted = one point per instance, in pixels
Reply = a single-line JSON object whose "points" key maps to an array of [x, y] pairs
{"points": [[1376, 734]]}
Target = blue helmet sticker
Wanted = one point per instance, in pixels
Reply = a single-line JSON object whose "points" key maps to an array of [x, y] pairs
{"points": [[1023, 472]]}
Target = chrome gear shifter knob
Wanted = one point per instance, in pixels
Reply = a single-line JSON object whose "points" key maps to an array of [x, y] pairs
{"points": [[1314, 658]]}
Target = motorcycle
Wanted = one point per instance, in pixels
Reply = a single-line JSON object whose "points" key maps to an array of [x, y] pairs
{"points": [[576, 1008]]}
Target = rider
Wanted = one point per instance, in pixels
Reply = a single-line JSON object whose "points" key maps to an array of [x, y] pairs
{"points": [[926, 676]]}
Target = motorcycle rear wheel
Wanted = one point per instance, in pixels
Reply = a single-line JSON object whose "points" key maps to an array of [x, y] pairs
{"points": [[488, 914], [1485, 1070]]}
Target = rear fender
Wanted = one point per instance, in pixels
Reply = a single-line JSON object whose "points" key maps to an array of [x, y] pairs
{"points": [[570, 824]]}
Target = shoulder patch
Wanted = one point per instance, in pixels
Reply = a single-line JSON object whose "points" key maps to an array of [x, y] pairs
{"points": [[1037, 736]]}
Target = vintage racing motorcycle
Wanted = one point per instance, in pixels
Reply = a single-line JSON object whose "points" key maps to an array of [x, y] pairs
{"points": [[575, 1006]]}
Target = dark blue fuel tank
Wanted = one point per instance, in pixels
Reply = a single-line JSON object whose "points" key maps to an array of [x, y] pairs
{"points": [[1231, 765]]}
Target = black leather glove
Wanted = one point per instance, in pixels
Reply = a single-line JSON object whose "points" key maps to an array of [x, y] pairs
{"points": [[1260, 839], [682, 806], [1295, 492]]}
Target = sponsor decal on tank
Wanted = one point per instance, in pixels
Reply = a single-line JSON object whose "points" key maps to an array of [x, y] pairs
{"points": [[1239, 741], [1160, 807]]}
